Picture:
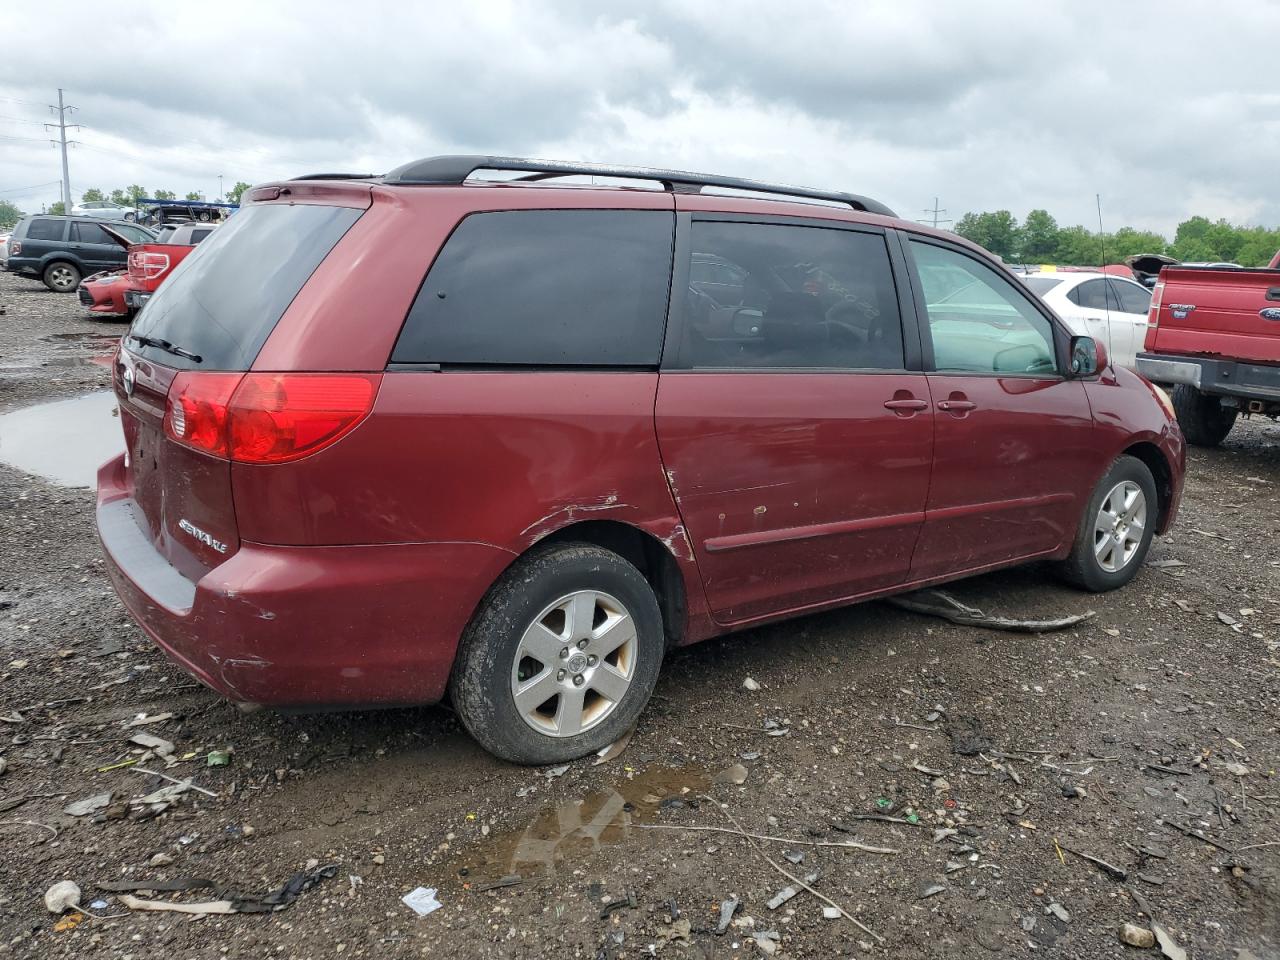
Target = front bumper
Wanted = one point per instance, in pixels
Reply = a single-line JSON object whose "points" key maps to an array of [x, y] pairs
{"points": [[103, 292], [309, 627], [1226, 378]]}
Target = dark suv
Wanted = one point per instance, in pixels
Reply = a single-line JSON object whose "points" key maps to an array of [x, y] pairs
{"points": [[61, 250], [393, 437]]}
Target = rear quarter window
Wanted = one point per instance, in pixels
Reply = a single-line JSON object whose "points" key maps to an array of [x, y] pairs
{"points": [[45, 229], [544, 288], [222, 301]]}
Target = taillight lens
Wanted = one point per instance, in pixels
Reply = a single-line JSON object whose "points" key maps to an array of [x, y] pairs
{"points": [[1153, 316], [148, 265], [267, 417], [15, 247]]}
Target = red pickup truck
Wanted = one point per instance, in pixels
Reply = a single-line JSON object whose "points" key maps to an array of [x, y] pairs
{"points": [[1213, 334]]}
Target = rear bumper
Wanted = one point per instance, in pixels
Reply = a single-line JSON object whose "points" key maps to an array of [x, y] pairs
{"points": [[311, 627], [1227, 378]]}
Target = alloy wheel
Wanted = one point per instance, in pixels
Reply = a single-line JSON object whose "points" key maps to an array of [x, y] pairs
{"points": [[574, 664], [1120, 525]]}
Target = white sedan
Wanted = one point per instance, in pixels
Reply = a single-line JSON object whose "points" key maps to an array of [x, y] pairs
{"points": [[1108, 308], [103, 210]]}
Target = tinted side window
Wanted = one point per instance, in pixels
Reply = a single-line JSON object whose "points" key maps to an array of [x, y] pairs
{"points": [[799, 297], [1133, 298], [978, 320], [545, 287], [89, 233], [45, 229]]}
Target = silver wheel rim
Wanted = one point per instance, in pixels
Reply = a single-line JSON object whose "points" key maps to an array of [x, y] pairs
{"points": [[1121, 523], [61, 277], [575, 663]]}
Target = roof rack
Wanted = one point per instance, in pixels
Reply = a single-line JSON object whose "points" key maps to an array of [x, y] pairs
{"points": [[337, 176], [459, 169]]}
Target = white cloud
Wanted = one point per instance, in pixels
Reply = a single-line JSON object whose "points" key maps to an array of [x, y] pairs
{"points": [[986, 105]]}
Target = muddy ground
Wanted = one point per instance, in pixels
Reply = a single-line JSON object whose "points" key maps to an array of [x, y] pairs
{"points": [[1161, 711]]}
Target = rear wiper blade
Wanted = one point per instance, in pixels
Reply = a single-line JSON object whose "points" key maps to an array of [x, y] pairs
{"points": [[166, 346]]}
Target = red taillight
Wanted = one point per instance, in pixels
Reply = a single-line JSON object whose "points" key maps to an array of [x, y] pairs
{"points": [[15, 247], [1153, 316], [148, 265], [266, 417]]}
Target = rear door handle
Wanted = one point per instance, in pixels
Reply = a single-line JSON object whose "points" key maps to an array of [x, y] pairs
{"points": [[906, 404], [956, 406]]}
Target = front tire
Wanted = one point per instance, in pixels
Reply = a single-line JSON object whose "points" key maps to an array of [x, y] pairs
{"points": [[562, 656], [1116, 530], [61, 277], [1204, 420]]}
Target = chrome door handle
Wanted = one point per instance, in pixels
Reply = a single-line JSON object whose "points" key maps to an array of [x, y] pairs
{"points": [[905, 404], [956, 406]]}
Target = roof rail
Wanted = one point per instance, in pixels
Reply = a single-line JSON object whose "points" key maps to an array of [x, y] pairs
{"points": [[459, 169], [337, 176]]}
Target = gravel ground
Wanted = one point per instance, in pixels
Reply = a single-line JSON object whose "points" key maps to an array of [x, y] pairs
{"points": [[1146, 737]]}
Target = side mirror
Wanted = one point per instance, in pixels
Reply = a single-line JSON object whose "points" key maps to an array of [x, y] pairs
{"points": [[1088, 357]]}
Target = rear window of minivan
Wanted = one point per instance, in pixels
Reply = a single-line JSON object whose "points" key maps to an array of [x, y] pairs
{"points": [[222, 302]]}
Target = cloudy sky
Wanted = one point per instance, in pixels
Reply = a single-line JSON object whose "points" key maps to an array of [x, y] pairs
{"points": [[1166, 113]]}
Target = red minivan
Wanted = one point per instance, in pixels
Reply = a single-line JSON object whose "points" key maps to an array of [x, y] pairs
{"points": [[395, 438]]}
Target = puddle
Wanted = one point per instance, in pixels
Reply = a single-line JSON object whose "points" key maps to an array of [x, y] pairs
{"points": [[66, 441], [561, 835], [73, 350]]}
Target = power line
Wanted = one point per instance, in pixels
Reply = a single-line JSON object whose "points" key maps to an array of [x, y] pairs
{"points": [[34, 186], [20, 120], [934, 215]]}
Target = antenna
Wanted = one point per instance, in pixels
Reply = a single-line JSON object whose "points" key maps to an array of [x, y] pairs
{"points": [[1106, 278]]}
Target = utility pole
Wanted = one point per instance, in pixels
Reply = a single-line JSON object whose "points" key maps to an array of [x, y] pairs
{"points": [[934, 215], [62, 110]]}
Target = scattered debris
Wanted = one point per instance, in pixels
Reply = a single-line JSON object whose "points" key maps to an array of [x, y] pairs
{"points": [[768, 941], [786, 893], [89, 805], [736, 774], [831, 913], [203, 907], [421, 900], [225, 900], [1237, 769], [727, 909], [613, 750], [1165, 563], [749, 684], [1116, 873], [628, 903], [845, 844], [510, 880], [930, 890], [967, 738], [1136, 936], [142, 719], [793, 856], [218, 758], [554, 772], [938, 603], [680, 929], [1168, 946], [62, 897], [157, 745], [1059, 911]]}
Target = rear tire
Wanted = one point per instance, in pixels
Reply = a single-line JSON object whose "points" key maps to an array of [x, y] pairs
{"points": [[1115, 530], [1204, 420], [61, 277], [535, 680]]}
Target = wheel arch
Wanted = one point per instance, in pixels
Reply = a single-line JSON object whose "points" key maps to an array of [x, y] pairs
{"points": [[1161, 470], [647, 553]]}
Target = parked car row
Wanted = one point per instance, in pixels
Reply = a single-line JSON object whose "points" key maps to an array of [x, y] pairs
{"points": [[1108, 308], [61, 251], [576, 427], [149, 263]]}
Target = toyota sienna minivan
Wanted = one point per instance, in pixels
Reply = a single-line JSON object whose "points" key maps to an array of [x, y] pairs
{"points": [[396, 438]]}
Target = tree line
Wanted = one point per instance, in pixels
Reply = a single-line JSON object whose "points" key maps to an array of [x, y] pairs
{"points": [[124, 196], [1039, 239]]}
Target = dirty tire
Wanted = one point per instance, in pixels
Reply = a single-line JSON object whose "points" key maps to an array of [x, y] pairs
{"points": [[1205, 422], [481, 684], [61, 277], [1082, 567]]}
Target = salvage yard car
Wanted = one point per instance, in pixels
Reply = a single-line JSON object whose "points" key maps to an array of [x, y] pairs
{"points": [[1108, 308], [149, 262], [549, 451], [60, 250]]}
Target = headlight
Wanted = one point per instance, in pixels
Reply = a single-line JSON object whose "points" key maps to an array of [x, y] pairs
{"points": [[1166, 401]]}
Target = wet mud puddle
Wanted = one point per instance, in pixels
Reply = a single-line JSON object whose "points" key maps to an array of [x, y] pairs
{"points": [[561, 835], [72, 350], [65, 441]]}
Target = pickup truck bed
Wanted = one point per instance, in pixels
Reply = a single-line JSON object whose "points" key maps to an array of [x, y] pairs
{"points": [[1214, 335]]}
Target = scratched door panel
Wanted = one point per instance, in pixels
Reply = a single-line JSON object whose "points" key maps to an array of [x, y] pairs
{"points": [[796, 488]]}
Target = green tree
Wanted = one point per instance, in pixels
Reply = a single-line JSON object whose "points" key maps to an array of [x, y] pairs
{"points": [[1126, 242], [1258, 246], [997, 231], [9, 214], [134, 193], [118, 196], [57, 208], [92, 194], [165, 195], [1077, 247], [1039, 237], [236, 192], [195, 195]]}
